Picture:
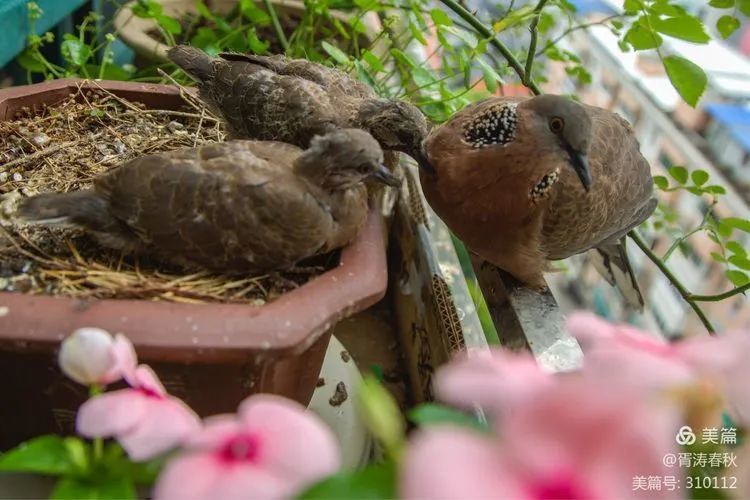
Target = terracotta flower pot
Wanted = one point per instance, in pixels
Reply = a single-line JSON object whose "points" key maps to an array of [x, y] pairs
{"points": [[136, 32], [210, 355]]}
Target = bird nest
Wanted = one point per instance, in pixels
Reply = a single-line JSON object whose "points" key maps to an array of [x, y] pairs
{"points": [[63, 148]]}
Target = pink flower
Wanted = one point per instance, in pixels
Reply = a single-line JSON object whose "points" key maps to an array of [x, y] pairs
{"points": [[577, 439], [144, 419], [91, 356], [698, 368], [494, 381], [272, 449]]}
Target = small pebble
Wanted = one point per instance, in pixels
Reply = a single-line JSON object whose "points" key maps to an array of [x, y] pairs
{"points": [[40, 139], [17, 177], [175, 126], [339, 396], [120, 148], [3, 176]]}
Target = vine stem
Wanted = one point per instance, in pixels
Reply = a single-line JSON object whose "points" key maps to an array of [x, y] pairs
{"points": [[276, 25], [489, 34], [532, 43], [721, 296], [684, 292]]}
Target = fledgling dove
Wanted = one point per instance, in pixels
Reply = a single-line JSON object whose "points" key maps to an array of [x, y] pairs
{"points": [[291, 100], [526, 180], [238, 206]]}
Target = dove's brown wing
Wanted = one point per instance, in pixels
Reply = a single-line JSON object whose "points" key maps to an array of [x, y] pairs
{"points": [[260, 104], [222, 206], [621, 196], [334, 81]]}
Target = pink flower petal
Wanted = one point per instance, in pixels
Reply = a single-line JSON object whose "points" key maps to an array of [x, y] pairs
{"points": [[144, 378], [215, 432], [293, 443], [111, 413], [166, 423], [495, 382], [455, 463], [188, 476], [589, 328], [125, 360]]}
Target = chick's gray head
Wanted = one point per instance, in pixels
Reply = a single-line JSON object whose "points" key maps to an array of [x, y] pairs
{"points": [[396, 125], [347, 157]]}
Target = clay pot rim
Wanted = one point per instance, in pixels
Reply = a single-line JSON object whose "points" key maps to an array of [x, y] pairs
{"points": [[290, 324]]}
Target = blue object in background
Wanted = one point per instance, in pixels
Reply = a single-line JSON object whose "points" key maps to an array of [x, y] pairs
{"points": [[735, 118], [584, 7], [14, 23]]}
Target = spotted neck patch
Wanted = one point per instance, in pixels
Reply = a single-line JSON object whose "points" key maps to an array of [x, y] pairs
{"points": [[495, 125], [542, 188]]}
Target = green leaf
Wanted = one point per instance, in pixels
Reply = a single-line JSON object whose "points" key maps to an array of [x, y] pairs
{"points": [[642, 39], [431, 414], [255, 44], [744, 6], [738, 278], [721, 4], [739, 261], [687, 78], [254, 14], [513, 18], [75, 488], [680, 174], [631, 6], [170, 24], [422, 77], [371, 483], [715, 189], [335, 53], [401, 57], [700, 177], [417, 33], [373, 61], [364, 75], [490, 76], [439, 17], [75, 51], [43, 455], [736, 248], [737, 223], [718, 257], [29, 61], [203, 10], [381, 414], [684, 27], [661, 182], [727, 25]]}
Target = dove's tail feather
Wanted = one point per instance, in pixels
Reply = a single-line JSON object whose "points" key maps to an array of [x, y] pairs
{"points": [[611, 260], [196, 63], [81, 209]]}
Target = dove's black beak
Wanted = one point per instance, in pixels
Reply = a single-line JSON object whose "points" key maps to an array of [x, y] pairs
{"points": [[423, 162], [382, 174], [580, 164]]}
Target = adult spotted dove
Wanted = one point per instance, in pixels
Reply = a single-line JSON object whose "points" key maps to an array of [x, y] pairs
{"points": [[238, 206], [526, 180], [292, 100]]}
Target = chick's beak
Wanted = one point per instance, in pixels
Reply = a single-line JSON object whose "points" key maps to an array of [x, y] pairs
{"points": [[423, 162], [382, 174], [580, 164]]}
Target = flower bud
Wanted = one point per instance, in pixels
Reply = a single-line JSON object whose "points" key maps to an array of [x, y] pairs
{"points": [[87, 357]]}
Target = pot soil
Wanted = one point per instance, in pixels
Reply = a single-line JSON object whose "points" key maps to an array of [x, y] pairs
{"points": [[208, 349]]}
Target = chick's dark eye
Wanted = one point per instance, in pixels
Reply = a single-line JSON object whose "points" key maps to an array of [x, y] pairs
{"points": [[556, 124]]}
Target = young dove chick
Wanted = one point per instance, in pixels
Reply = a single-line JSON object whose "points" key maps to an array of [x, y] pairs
{"points": [[238, 206], [290, 100], [526, 180]]}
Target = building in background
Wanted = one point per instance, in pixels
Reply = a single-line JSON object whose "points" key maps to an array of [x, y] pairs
{"points": [[714, 137]]}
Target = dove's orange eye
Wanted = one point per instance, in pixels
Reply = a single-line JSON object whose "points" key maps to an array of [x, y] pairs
{"points": [[556, 124]]}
